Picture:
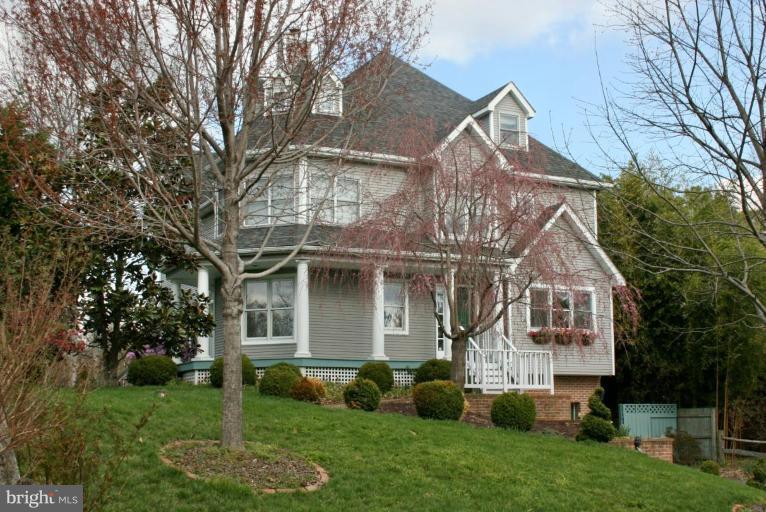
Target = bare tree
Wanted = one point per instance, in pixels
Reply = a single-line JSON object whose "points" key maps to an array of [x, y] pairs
{"points": [[228, 92], [37, 302], [700, 97], [469, 219]]}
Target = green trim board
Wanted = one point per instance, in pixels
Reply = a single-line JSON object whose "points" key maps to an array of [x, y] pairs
{"points": [[305, 362]]}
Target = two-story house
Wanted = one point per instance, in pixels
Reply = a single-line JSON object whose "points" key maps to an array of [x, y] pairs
{"points": [[330, 329]]}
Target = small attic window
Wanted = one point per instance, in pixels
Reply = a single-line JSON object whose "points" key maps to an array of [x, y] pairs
{"points": [[510, 132], [277, 94], [329, 100]]}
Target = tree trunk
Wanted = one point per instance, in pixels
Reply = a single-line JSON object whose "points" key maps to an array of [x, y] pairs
{"points": [[457, 370], [9, 467], [232, 427]]}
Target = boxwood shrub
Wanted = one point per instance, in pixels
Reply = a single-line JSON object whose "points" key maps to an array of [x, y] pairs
{"points": [[514, 411], [216, 372], [597, 424], [710, 467], [308, 390], [278, 380], [362, 394], [378, 372], [438, 400], [152, 371], [433, 369]]}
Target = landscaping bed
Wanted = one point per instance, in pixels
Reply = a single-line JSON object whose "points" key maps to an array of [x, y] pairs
{"points": [[260, 467]]}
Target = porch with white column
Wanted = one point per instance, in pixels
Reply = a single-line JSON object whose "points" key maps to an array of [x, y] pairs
{"points": [[378, 327], [302, 309], [203, 288]]}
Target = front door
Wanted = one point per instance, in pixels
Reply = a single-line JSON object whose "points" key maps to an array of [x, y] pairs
{"points": [[442, 311]]}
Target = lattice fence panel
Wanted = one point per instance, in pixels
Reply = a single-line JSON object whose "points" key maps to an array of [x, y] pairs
{"points": [[340, 375]]}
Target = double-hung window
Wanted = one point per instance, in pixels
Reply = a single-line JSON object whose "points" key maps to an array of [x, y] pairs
{"points": [[273, 205], [510, 132], [269, 309], [335, 200], [560, 309], [583, 310], [395, 307]]}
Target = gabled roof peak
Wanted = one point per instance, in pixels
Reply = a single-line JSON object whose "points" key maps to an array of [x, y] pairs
{"points": [[489, 102]]}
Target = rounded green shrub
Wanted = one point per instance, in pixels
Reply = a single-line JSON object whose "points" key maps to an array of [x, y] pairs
{"points": [[152, 371], [279, 380], [593, 428], [378, 372], [439, 400], [216, 372], [686, 449], [308, 390], [433, 369], [711, 467], [515, 411], [362, 394]]}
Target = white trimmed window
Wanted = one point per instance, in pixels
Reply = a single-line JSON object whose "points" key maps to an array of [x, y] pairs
{"points": [[583, 310], [395, 307], [269, 309], [510, 129], [337, 199], [275, 205], [560, 309], [539, 308]]}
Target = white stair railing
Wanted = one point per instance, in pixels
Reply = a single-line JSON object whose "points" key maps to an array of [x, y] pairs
{"points": [[495, 364]]}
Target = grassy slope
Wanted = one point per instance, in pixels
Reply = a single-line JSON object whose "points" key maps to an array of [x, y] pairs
{"points": [[392, 462]]}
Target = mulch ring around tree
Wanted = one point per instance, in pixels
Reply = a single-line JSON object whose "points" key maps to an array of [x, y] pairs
{"points": [[261, 467]]}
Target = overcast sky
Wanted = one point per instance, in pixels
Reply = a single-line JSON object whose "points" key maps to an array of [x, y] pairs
{"points": [[547, 47]]}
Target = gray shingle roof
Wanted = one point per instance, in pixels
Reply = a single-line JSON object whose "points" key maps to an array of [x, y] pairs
{"points": [[412, 99]]}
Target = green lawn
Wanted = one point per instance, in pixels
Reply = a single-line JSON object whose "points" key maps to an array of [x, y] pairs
{"points": [[392, 462]]}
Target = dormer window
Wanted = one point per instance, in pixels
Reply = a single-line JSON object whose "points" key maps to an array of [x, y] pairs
{"points": [[329, 99], [277, 94], [510, 132]]}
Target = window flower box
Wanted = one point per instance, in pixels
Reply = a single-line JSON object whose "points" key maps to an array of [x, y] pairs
{"points": [[562, 336]]}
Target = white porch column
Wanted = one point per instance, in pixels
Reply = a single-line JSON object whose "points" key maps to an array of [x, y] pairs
{"points": [[302, 309], [303, 211], [203, 288], [452, 295], [378, 330]]}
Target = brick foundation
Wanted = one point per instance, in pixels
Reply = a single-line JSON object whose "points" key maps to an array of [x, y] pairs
{"points": [[659, 448], [550, 408], [567, 389]]}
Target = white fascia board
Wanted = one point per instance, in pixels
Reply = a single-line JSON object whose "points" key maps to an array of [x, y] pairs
{"points": [[593, 246], [470, 122], [510, 88]]}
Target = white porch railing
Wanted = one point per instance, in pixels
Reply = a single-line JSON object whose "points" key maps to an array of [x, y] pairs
{"points": [[494, 364]]}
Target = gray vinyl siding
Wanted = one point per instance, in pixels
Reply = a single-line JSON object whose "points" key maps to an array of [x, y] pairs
{"points": [[340, 325], [580, 200], [596, 359], [420, 343], [340, 320]]}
